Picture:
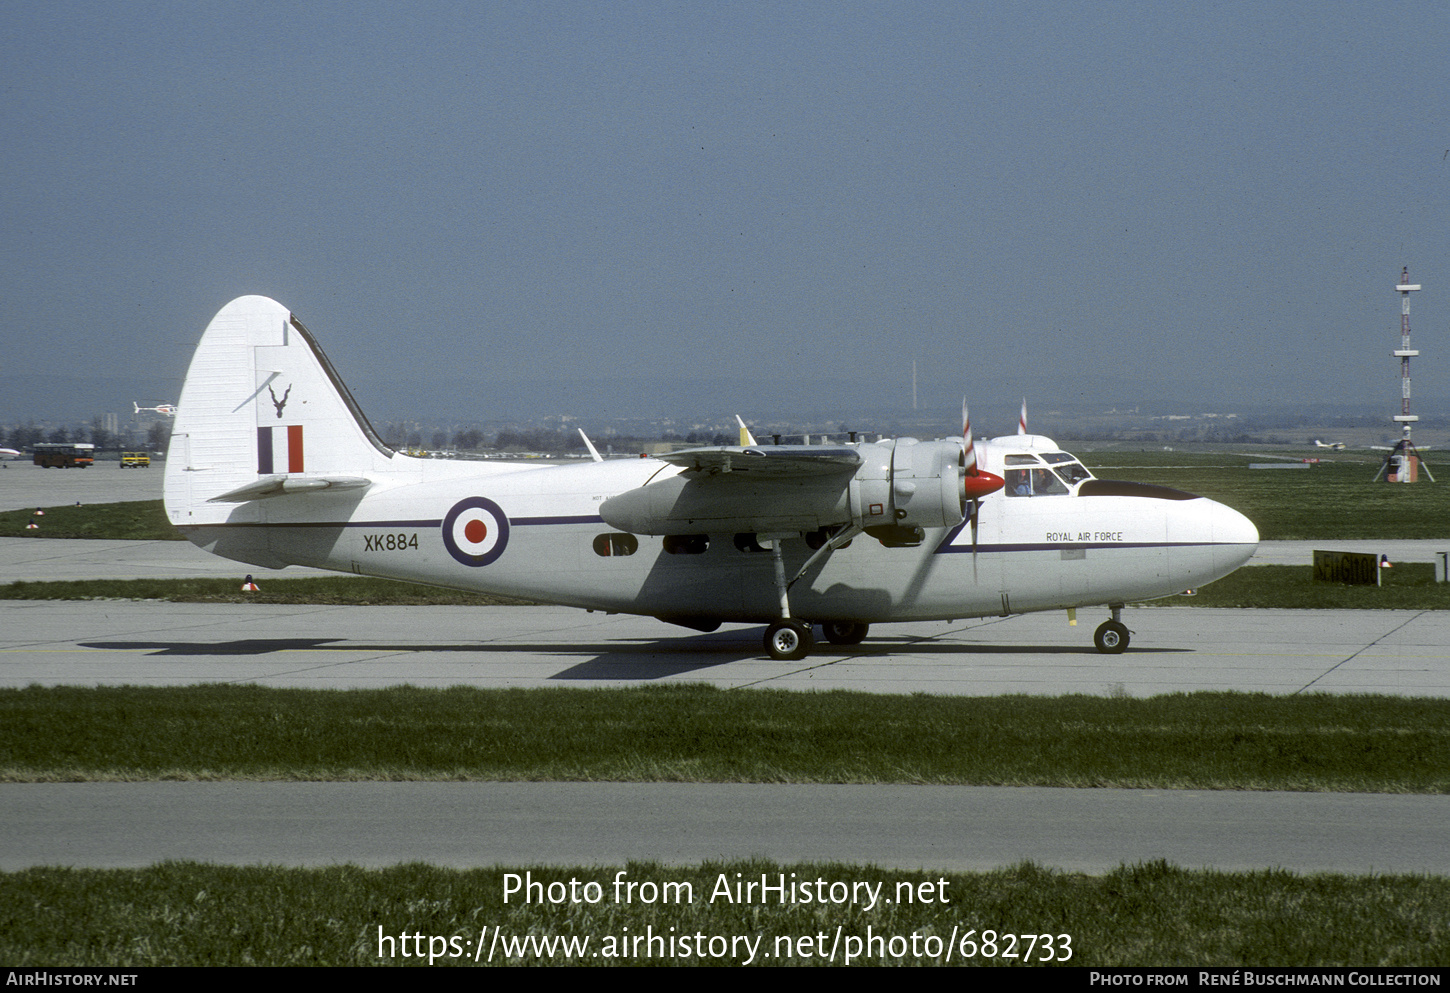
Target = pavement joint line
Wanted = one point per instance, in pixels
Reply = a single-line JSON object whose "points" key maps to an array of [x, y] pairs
{"points": [[1361, 651]]}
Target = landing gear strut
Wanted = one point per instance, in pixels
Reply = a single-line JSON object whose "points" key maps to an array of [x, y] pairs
{"points": [[789, 639], [1111, 636]]}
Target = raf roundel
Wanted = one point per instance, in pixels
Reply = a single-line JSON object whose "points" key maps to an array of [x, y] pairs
{"points": [[475, 531]]}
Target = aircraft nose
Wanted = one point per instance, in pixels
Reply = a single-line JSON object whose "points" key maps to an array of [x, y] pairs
{"points": [[1234, 535]]}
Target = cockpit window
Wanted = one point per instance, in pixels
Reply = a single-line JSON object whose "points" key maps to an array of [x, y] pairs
{"points": [[1033, 482], [1020, 460], [1067, 466], [1072, 472], [1046, 483]]}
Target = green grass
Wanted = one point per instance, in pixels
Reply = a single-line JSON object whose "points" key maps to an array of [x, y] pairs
{"points": [[1330, 500], [1149, 914], [1408, 586], [696, 733], [138, 520]]}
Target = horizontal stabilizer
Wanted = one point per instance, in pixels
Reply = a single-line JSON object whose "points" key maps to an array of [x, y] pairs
{"points": [[271, 486]]}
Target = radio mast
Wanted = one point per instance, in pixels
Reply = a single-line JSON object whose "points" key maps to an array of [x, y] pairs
{"points": [[1402, 465]]}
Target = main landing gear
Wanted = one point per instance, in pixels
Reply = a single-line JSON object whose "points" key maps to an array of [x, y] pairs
{"points": [[845, 632], [790, 639], [1111, 636]]}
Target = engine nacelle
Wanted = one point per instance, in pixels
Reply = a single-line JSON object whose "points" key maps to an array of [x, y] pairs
{"points": [[909, 483]]}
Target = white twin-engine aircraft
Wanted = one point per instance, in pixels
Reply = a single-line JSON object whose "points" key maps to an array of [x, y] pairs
{"points": [[272, 463]]}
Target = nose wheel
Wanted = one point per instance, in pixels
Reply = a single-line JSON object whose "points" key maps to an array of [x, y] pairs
{"points": [[1111, 637], [789, 640]]}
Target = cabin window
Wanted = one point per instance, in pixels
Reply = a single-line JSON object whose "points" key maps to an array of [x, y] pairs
{"points": [[618, 543], [687, 544], [749, 542]]}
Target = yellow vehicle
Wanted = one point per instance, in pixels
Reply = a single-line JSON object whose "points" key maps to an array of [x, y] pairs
{"points": [[135, 460]]}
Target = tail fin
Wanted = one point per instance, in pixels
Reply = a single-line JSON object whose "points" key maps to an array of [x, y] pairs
{"points": [[263, 409]]}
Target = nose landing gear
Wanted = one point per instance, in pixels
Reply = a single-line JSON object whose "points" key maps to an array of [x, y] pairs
{"points": [[1112, 636]]}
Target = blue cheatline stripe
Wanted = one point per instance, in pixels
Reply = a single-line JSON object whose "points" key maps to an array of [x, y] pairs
{"points": [[264, 451], [580, 519], [436, 522], [321, 524], [1077, 546]]}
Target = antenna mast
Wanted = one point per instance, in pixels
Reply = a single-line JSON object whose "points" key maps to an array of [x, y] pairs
{"points": [[1405, 352], [1403, 464]]}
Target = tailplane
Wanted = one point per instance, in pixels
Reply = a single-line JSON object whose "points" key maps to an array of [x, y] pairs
{"points": [[263, 413]]}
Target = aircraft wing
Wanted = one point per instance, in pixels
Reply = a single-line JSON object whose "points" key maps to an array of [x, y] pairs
{"points": [[767, 460]]}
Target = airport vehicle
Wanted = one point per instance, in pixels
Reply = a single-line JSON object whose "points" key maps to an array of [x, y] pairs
{"points": [[56, 455], [272, 463], [135, 460], [165, 409]]}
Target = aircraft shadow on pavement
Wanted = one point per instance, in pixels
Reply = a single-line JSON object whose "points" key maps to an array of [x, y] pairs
{"points": [[636, 659], [247, 646]]}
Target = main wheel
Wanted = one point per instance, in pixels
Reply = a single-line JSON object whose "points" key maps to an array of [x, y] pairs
{"points": [[789, 640], [1111, 637], [845, 632]]}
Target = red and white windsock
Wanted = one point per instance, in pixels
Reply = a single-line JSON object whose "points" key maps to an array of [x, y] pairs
{"points": [[1022, 418], [969, 451]]}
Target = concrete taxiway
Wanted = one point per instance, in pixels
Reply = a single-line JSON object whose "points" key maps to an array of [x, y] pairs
{"points": [[952, 828], [1174, 649], [24, 484]]}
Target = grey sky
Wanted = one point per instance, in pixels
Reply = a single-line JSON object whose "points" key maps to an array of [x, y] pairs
{"points": [[738, 205]]}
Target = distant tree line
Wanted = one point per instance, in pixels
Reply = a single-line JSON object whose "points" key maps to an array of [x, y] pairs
{"points": [[547, 440], [154, 438]]}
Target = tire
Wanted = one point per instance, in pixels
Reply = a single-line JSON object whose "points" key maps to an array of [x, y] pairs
{"points": [[788, 641], [1111, 638], [845, 632]]}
